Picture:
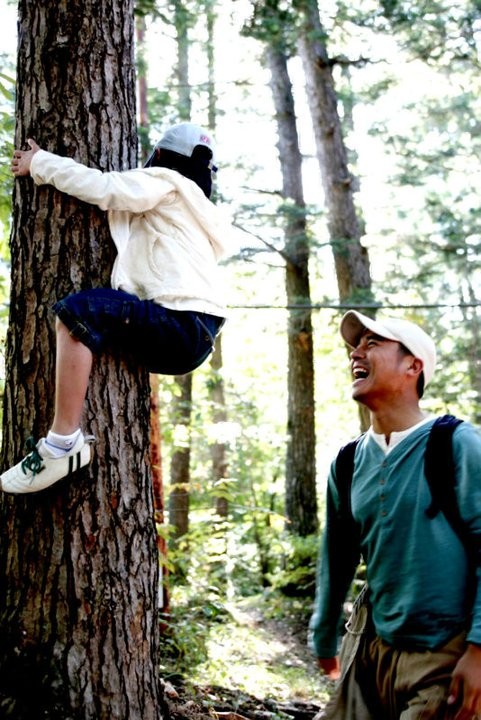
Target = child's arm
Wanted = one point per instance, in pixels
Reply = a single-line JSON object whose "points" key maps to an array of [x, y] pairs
{"points": [[130, 190], [22, 159]]}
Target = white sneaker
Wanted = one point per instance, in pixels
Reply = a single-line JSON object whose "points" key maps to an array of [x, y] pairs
{"points": [[38, 470]]}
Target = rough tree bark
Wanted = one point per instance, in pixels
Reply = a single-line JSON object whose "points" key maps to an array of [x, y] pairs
{"points": [[78, 562]]}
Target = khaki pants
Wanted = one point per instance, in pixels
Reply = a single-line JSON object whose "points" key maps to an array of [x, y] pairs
{"points": [[379, 682]]}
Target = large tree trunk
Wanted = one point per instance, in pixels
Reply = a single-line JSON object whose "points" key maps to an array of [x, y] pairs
{"points": [[301, 502], [78, 562]]}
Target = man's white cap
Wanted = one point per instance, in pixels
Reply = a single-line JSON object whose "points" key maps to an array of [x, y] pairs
{"points": [[418, 342], [184, 137]]}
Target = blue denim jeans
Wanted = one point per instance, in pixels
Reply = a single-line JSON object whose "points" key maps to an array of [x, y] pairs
{"points": [[170, 342]]}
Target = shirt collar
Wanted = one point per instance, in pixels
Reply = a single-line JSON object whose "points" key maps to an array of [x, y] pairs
{"points": [[396, 437]]}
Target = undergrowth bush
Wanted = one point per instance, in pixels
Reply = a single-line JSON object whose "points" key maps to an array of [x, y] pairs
{"points": [[185, 628]]}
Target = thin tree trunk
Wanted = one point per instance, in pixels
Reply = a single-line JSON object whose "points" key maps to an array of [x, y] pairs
{"points": [[350, 257], [180, 463], [182, 21], [158, 485], [78, 565], [473, 335], [220, 463], [301, 502], [210, 16], [143, 125]]}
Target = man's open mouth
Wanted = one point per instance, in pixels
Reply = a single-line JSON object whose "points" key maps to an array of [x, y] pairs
{"points": [[359, 373]]}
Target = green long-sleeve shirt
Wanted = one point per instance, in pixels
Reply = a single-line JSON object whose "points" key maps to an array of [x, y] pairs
{"points": [[417, 568]]}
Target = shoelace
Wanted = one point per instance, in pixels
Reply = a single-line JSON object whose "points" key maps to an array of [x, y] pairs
{"points": [[33, 461]]}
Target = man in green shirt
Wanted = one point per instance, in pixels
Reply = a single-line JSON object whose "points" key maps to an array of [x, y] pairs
{"points": [[420, 654]]}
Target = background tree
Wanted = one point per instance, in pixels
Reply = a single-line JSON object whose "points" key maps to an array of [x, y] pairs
{"points": [[216, 384], [272, 25], [78, 597], [351, 259], [219, 454], [301, 504], [182, 406]]}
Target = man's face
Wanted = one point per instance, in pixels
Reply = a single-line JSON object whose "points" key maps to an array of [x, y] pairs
{"points": [[378, 368]]}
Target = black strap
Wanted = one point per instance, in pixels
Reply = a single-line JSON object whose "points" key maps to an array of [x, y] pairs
{"points": [[344, 473], [440, 473]]}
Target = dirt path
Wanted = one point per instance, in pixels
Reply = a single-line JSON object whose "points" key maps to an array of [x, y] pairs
{"points": [[267, 672]]}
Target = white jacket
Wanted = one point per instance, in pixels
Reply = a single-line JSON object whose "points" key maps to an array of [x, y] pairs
{"points": [[169, 236]]}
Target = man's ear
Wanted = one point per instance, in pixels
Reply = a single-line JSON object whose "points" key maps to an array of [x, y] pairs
{"points": [[415, 366]]}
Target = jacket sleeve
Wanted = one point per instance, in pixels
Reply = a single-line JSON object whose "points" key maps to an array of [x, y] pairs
{"points": [[467, 457], [338, 560], [131, 190]]}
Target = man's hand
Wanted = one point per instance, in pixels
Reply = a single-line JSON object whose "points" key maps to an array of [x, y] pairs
{"points": [[22, 158], [465, 690], [330, 667]]}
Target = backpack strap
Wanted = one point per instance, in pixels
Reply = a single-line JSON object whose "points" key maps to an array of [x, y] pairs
{"points": [[441, 473], [439, 463], [344, 473], [348, 536]]}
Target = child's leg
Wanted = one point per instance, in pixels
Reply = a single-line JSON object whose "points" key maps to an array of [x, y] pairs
{"points": [[65, 449], [73, 367]]}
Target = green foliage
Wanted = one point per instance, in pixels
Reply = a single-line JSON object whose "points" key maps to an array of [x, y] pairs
{"points": [[273, 22], [296, 574], [161, 110], [435, 188], [186, 628], [435, 30], [148, 8], [248, 549]]}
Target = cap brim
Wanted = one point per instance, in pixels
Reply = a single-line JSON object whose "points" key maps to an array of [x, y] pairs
{"points": [[150, 160], [353, 325]]}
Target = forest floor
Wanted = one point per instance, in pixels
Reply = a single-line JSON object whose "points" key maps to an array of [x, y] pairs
{"points": [[256, 667]]}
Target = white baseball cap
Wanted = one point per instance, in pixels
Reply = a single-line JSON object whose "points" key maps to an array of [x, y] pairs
{"points": [[418, 342], [184, 137]]}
